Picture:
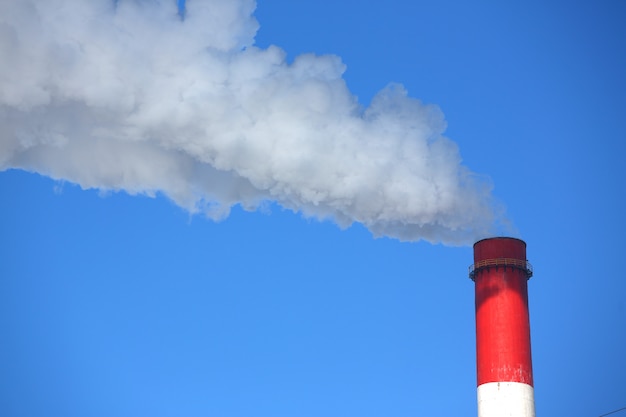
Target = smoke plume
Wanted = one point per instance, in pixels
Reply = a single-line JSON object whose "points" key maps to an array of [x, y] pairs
{"points": [[139, 96]]}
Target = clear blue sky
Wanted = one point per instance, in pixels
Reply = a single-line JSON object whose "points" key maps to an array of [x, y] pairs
{"points": [[114, 304]]}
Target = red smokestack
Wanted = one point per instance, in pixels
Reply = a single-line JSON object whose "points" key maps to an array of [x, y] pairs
{"points": [[504, 365]]}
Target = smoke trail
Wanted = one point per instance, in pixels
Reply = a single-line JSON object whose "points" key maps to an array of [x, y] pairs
{"points": [[151, 96]]}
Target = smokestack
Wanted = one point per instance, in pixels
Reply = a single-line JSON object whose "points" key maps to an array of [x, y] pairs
{"points": [[503, 358]]}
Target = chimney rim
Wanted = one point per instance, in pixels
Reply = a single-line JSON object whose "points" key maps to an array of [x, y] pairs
{"points": [[499, 238]]}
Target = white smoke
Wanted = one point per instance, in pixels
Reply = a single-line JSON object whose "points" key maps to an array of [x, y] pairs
{"points": [[127, 95]]}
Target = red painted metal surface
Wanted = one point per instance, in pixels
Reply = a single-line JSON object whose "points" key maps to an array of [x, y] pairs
{"points": [[502, 321]]}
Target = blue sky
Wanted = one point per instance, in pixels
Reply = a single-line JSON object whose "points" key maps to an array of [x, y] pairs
{"points": [[114, 304]]}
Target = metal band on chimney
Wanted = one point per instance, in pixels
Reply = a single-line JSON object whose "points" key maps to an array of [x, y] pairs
{"points": [[501, 263]]}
